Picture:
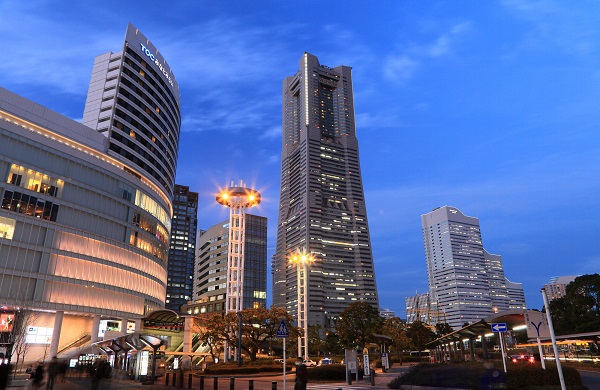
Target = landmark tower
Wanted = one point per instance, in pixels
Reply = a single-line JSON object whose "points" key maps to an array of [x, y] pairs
{"points": [[322, 210]]}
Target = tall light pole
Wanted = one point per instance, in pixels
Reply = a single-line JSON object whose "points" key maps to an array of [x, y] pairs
{"points": [[238, 199], [302, 260]]}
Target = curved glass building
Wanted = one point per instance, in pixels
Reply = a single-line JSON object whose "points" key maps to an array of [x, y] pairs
{"points": [[85, 213], [133, 99]]}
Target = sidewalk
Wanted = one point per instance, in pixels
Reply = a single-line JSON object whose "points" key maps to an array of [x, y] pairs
{"points": [[223, 383]]}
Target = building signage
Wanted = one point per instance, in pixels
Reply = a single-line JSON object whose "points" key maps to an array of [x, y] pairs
{"points": [[149, 54]]}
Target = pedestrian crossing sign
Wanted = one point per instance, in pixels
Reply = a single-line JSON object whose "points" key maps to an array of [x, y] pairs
{"points": [[282, 332]]}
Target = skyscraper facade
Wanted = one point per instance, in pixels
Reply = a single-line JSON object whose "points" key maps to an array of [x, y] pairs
{"points": [[557, 286], [133, 99], [322, 208], [465, 281], [84, 225], [182, 250], [210, 277]]}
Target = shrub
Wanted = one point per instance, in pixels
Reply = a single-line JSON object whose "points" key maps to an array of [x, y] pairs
{"points": [[472, 376], [333, 372]]}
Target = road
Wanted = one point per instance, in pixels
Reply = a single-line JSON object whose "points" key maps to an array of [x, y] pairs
{"points": [[591, 379], [274, 382]]}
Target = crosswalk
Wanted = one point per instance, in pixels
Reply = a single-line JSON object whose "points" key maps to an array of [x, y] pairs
{"points": [[337, 386]]}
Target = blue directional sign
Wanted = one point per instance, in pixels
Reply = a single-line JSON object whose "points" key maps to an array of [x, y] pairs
{"points": [[282, 332], [499, 327]]}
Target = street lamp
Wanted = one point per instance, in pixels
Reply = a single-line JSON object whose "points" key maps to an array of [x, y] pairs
{"points": [[238, 199], [302, 260]]}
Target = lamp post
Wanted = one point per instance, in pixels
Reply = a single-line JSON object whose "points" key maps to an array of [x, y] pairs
{"points": [[302, 260], [238, 199]]}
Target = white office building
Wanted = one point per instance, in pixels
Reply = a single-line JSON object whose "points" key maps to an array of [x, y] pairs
{"points": [[465, 281]]}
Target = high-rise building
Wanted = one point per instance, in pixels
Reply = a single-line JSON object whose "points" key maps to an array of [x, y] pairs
{"points": [[210, 277], [133, 99], [322, 208], [420, 308], [557, 286], [84, 225], [182, 250], [465, 281]]}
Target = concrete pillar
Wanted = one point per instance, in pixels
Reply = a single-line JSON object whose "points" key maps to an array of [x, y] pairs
{"points": [[95, 328], [124, 325], [187, 342], [486, 356], [138, 324], [472, 348], [58, 318]]}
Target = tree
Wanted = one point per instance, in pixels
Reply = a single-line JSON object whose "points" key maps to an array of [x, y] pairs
{"points": [[333, 344], [396, 329], [315, 344], [420, 335], [209, 331], [22, 320], [442, 329], [579, 310], [357, 324]]}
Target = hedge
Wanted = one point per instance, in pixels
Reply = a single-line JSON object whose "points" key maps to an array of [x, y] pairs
{"points": [[475, 376]]}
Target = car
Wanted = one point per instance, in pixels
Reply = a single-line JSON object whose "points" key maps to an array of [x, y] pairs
{"points": [[278, 361], [522, 358], [325, 361], [309, 363]]}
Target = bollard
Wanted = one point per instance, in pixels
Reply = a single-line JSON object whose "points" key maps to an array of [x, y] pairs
{"points": [[251, 384], [216, 383], [167, 379], [373, 377], [189, 381], [273, 385], [232, 383], [202, 382], [181, 379]]}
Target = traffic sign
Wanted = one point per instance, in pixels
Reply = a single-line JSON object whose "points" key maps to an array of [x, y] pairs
{"points": [[537, 324], [499, 327], [282, 332]]}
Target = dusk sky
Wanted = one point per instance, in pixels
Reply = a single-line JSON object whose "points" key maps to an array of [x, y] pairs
{"points": [[488, 106]]}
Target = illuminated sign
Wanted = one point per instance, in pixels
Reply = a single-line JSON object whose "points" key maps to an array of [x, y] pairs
{"points": [[149, 54]]}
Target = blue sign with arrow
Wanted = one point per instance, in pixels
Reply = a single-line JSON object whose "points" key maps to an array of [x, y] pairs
{"points": [[282, 331], [499, 327]]}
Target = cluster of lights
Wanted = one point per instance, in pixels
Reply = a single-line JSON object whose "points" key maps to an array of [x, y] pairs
{"points": [[239, 196]]}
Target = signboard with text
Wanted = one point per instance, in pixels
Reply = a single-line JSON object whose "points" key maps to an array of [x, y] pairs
{"points": [[537, 324]]}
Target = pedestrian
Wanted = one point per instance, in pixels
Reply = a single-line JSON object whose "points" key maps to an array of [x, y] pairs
{"points": [[38, 376], [301, 375], [52, 372], [4, 373]]}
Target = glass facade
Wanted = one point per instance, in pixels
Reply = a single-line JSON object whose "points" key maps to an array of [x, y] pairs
{"points": [[182, 252], [67, 217]]}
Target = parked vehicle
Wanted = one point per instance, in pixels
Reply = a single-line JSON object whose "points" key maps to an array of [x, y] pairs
{"points": [[309, 363], [325, 361], [522, 358]]}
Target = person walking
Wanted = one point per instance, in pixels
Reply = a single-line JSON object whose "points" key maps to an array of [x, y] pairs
{"points": [[301, 375], [38, 376], [52, 372]]}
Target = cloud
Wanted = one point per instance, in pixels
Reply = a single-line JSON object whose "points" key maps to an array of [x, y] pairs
{"points": [[573, 29], [273, 132], [402, 66], [399, 69]]}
